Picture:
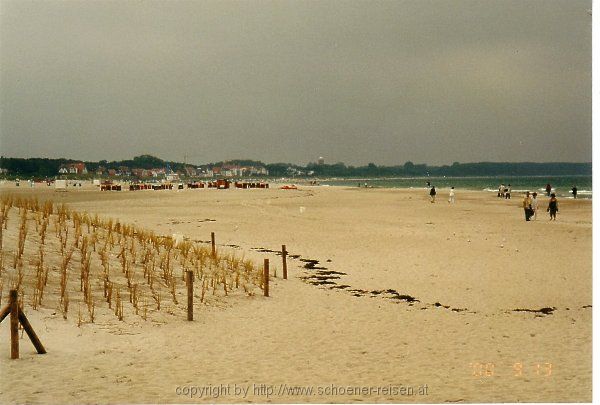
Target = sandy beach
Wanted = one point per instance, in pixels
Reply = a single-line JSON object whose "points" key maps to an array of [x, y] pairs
{"points": [[461, 302]]}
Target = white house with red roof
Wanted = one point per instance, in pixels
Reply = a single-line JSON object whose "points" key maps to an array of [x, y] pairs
{"points": [[73, 168]]}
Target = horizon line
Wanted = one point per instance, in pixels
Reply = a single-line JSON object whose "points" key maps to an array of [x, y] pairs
{"points": [[300, 164]]}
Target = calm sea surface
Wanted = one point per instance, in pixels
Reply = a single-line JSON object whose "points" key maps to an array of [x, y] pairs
{"points": [[561, 185]]}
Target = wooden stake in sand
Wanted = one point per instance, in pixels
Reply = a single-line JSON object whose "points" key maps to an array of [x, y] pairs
{"points": [[212, 241], [1, 226], [266, 277], [283, 256], [189, 280], [31, 333], [16, 316], [14, 324]]}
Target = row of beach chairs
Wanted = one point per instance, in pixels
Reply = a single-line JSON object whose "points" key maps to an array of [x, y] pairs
{"points": [[220, 184]]}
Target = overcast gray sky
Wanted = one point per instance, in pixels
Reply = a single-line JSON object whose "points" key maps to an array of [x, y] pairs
{"points": [[288, 81]]}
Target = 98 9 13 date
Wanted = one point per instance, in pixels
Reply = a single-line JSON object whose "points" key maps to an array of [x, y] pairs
{"points": [[518, 369]]}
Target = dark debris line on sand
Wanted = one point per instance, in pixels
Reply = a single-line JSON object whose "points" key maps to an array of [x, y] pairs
{"points": [[312, 264], [544, 311], [323, 276]]}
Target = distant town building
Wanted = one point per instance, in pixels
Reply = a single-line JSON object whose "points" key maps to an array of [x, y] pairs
{"points": [[321, 160], [240, 171], [258, 170], [157, 172], [190, 171], [73, 168], [172, 177], [204, 172], [231, 171], [292, 171], [124, 170], [141, 173]]}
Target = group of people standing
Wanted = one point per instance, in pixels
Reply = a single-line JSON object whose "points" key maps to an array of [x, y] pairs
{"points": [[433, 193], [504, 191], [530, 206], [530, 201]]}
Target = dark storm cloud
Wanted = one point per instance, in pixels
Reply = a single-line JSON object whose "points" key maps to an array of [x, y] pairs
{"points": [[354, 81]]}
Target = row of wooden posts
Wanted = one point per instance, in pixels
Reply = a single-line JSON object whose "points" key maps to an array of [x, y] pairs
{"points": [[17, 315], [189, 277]]}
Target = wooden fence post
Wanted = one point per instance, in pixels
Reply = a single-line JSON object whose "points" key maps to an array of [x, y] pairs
{"points": [[266, 277], [1, 226], [16, 316], [14, 325], [283, 256], [189, 280], [212, 241], [31, 333]]}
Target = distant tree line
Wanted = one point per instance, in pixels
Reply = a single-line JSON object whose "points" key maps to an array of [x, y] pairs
{"points": [[408, 169], [138, 162], [41, 167], [32, 166]]}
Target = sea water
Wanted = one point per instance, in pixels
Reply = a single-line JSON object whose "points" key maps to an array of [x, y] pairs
{"points": [[561, 185]]}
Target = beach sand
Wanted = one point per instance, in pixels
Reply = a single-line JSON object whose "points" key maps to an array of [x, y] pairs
{"points": [[425, 305]]}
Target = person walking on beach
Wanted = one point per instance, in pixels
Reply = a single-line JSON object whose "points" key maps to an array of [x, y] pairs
{"points": [[451, 196], [548, 189], [501, 191], [527, 206], [507, 192], [534, 205], [574, 190], [552, 207], [432, 194]]}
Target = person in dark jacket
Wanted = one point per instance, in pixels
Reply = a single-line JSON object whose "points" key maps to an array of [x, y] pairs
{"points": [[432, 194], [552, 207], [527, 206]]}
